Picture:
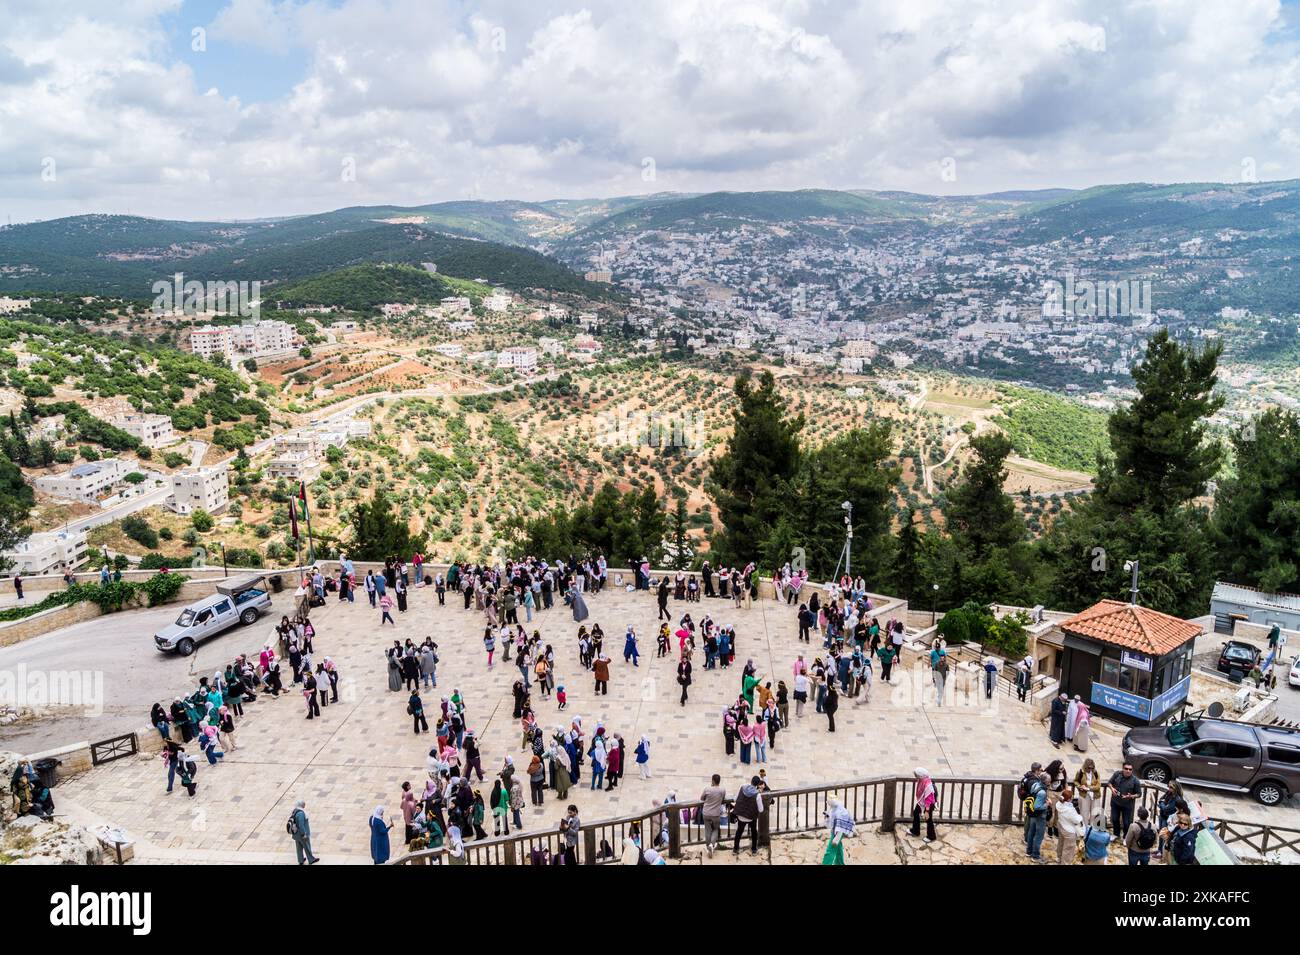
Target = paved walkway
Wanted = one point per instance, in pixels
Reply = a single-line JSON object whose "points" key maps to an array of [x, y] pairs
{"points": [[358, 753]]}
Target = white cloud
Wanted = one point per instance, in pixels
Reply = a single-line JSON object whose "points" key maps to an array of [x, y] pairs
{"points": [[520, 100]]}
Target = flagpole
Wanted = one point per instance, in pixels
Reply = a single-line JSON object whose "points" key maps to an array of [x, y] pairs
{"points": [[306, 513]]}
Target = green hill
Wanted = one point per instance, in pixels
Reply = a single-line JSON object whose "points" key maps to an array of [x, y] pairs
{"points": [[725, 209], [125, 255], [363, 287]]}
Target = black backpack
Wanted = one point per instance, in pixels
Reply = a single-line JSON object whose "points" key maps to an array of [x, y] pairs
{"points": [[1146, 838], [291, 826], [1183, 847]]}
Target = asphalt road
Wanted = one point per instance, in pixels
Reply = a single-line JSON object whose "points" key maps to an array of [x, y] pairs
{"points": [[1288, 698], [112, 663]]}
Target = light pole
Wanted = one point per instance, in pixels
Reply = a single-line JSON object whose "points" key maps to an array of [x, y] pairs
{"points": [[934, 602], [848, 538], [225, 571]]}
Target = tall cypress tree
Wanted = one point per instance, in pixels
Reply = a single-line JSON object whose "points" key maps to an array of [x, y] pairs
{"points": [[754, 473], [980, 515]]}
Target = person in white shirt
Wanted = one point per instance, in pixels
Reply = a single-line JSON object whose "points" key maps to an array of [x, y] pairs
{"points": [[1069, 826]]}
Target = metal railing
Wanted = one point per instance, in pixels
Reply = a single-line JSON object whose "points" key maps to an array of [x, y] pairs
{"points": [[1263, 839], [885, 800]]}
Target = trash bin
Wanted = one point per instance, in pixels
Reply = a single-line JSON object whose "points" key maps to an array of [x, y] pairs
{"points": [[277, 583], [45, 768]]}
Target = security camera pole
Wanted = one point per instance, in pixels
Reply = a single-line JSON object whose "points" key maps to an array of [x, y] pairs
{"points": [[1133, 565]]}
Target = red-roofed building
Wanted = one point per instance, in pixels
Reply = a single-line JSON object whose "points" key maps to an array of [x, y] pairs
{"points": [[1133, 662]]}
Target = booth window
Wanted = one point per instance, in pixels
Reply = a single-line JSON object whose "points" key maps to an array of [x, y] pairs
{"points": [[1124, 677]]}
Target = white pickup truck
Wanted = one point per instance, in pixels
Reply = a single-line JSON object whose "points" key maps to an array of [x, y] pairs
{"points": [[236, 601]]}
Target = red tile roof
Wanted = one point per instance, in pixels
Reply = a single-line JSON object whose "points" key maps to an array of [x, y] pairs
{"points": [[1132, 627]]}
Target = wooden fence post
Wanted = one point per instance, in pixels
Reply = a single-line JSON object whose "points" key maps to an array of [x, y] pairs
{"points": [[1007, 804], [588, 846], [510, 854], [674, 834], [888, 811]]}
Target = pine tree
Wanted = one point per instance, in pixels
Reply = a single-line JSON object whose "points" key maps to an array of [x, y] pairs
{"points": [[1161, 456], [753, 474], [16, 500], [378, 533], [1145, 505], [980, 515], [906, 576], [1256, 526]]}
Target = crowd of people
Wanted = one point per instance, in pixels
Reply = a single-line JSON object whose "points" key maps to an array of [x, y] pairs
{"points": [[449, 809], [1069, 809]]}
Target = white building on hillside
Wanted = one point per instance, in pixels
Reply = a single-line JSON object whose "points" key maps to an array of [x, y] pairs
{"points": [[48, 552], [86, 482], [498, 301], [212, 340], [152, 430], [294, 466], [519, 358], [206, 489]]}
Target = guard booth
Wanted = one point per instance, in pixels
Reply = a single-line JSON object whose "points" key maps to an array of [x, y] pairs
{"points": [[1132, 664]]}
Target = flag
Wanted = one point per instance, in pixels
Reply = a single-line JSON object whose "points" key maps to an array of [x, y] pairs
{"points": [[293, 519]]}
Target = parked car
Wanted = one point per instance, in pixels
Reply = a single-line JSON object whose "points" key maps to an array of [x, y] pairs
{"points": [[1238, 656], [239, 601], [1293, 676], [1220, 754]]}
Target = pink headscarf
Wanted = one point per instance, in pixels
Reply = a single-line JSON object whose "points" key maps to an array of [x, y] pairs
{"points": [[924, 792]]}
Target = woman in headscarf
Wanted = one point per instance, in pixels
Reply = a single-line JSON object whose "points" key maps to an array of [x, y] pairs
{"points": [[1082, 727], [924, 797], [379, 827], [456, 847], [579, 605], [394, 671], [839, 825], [643, 757]]}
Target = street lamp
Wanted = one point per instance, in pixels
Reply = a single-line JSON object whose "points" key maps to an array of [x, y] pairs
{"points": [[934, 602], [225, 571]]}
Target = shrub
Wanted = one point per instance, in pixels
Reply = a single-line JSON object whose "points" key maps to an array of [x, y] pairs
{"points": [[162, 587], [202, 521], [138, 529]]}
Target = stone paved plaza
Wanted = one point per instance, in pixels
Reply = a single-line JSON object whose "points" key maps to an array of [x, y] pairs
{"points": [[360, 751]]}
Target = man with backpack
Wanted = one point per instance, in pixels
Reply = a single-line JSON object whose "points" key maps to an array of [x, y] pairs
{"points": [[1140, 839], [300, 830], [1033, 798]]}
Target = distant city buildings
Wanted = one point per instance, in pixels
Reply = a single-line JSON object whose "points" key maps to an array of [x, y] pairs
{"points": [[450, 349]]}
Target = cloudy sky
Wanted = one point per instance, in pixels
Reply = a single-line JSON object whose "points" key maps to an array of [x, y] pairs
{"points": [[249, 108]]}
